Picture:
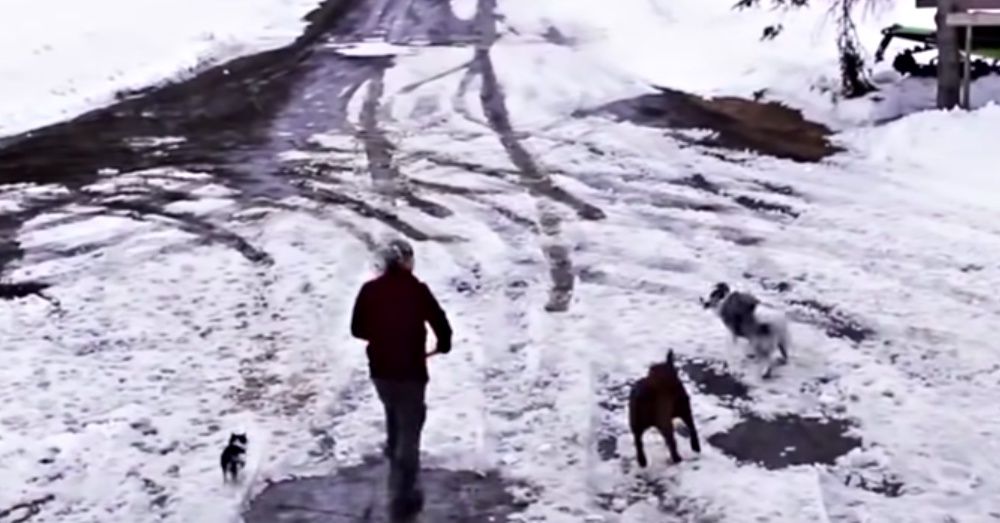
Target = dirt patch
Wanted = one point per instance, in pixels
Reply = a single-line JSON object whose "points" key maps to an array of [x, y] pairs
{"points": [[756, 204], [884, 484], [777, 188], [739, 237], [10, 248], [768, 128], [715, 379], [661, 494], [769, 284], [786, 440], [553, 35], [469, 284], [358, 494], [25, 510], [596, 276], [836, 323], [701, 183]]}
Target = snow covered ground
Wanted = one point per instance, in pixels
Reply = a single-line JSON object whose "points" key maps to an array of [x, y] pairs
{"points": [[62, 58], [665, 43], [119, 405]]}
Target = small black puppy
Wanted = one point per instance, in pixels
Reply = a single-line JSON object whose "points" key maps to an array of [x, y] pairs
{"points": [[233, 457]]}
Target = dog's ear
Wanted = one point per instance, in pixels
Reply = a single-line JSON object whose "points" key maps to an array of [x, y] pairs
{"points": [[670, 358], [722, 288]]}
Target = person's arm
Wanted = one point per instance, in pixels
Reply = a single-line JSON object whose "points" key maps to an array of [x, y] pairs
{"points": [[359, 316], [438, 321]]}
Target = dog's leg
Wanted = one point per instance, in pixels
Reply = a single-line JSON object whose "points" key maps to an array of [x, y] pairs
{"points": [[640, 452], [783, 349], [668, 438], [768, 368], [685, 414], [638, 418], [781, 340], [751, 350]]}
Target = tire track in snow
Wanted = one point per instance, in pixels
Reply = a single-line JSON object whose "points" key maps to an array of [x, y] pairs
{"points": [[506, 393], [538, 183], [348, 76], [434, 22], [146, 204], [494, 106], [263, 389], [459, 102], [700, 183], [381, 19], [379, 152], [286, 376], [519, 391], [359, 233], [523, 383], [530, 381], [425, 107], [617, 184], [616, 191], [367, 210]]}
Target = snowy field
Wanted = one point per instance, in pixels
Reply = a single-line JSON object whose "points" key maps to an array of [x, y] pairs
{"points": [[119, 404], [61, 58]]}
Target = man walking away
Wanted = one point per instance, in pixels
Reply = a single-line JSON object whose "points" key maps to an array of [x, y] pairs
{"points": [[389, 313]]}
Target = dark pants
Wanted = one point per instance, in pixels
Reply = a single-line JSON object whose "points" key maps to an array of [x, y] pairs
{"points": [[405, 412]]}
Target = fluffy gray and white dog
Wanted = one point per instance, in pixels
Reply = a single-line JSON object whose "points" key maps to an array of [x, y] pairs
{"points": [[765, 329]]}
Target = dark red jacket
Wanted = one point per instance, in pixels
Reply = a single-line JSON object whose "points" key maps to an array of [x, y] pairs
{"points": [[389, 313]]}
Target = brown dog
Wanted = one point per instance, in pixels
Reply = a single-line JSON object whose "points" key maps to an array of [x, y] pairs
{"points": [[655, 401]]}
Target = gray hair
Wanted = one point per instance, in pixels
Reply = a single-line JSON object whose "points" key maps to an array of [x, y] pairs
{"points": [[395, 252]]}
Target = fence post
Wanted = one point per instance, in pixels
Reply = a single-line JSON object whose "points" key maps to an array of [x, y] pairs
{"points": [[949, 77]]}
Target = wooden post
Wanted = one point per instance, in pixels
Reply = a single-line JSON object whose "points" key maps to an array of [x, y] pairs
{"points": [[948, 73], [967, 69]]}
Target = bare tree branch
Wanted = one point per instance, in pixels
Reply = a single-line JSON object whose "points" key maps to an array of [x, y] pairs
{"points": [[855, 78]]}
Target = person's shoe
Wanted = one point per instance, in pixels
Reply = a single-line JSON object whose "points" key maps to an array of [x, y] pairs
{"points": [[408, 506]]}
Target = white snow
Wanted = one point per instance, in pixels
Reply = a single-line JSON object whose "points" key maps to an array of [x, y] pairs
{"points": [[369, 49], [666, 43], [119, 404], [63, 58]]}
